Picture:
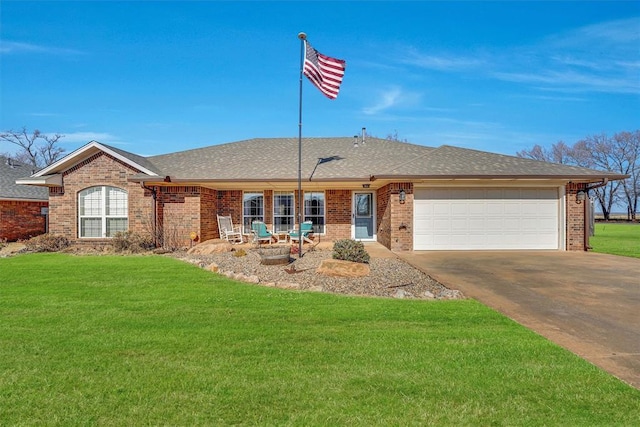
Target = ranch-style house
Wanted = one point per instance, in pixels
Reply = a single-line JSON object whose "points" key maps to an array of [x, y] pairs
{"points": [[405, 196]]}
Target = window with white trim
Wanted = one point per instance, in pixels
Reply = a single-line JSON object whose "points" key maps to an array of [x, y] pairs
{"points": [[314, 210], [283, 211], [252, 209], [102, 211]]}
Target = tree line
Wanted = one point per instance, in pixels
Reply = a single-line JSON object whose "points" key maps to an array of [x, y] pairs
{"points": [[619, 153]]}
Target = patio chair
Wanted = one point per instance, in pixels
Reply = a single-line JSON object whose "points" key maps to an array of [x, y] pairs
{"points": [[260, 232], [227, 231], [306, 228]]}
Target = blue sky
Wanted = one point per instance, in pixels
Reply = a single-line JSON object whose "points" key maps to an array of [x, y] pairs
{"points": [[158, 77]]}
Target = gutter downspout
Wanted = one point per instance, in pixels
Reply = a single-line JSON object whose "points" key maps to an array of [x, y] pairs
{"points": [[604, 182], [154, 194]]}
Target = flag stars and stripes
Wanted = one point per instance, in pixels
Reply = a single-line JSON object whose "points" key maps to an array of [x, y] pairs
{"points": [[323, 71]]}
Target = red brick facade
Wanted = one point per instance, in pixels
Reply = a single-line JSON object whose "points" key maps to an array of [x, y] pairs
{"points": [[183, 210], [577, 238], [21, 220], [395, 219], [100, 169]]}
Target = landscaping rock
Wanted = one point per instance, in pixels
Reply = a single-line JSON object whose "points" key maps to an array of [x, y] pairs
{"points": [[213, 246], [340, 268]]}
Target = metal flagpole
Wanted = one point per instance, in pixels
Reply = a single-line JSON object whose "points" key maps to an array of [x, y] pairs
{"points": [[302, 37]]}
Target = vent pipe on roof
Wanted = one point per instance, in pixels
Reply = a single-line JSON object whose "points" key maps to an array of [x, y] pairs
{"points": [[364, 135], [9, 162], [355, 141]]}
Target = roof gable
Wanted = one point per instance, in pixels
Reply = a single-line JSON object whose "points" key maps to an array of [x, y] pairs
{"points": [[137, 162]]}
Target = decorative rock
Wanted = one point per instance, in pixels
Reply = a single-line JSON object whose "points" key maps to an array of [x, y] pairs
{"points": [[213, 267], [340, 268], [451, 294], [252, 279], [213, 246], [399, 293], [429, 294]]}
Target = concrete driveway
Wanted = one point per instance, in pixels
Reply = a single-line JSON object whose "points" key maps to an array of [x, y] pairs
{"points": [[586, 302]]}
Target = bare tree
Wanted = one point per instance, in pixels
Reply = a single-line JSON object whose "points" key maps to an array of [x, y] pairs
{"points": [[619, 154], [36, 149], [626, 150], [559, 153]]}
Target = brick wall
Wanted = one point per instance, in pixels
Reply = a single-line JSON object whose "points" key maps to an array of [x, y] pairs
{"points": [[395, 219], [100, 169], [179, 215], [21, 219], [338, 214], [575, 230]]}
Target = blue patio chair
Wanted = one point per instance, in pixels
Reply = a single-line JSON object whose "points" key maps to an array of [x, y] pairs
{"points": [[260, 232], [305, 230]]}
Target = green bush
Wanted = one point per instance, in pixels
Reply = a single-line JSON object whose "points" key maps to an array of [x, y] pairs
{"points": [[47, 243], [350, 250], [129, 241], [239, 253]]}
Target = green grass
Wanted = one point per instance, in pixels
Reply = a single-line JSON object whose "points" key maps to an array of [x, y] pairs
{"points": [[111, 340], [616, 239]]}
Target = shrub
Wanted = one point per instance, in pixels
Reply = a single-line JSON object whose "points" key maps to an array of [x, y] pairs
{"points": [[47, 243], [240, 252], [350, 250], [129, 241]]}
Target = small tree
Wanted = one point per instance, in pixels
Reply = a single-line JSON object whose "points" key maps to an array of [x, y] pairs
{"points": [[36, 149]]}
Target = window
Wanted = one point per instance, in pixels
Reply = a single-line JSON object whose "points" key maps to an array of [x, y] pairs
{"points": [[283, 211], [102, 211], [314, 210], [252, 209]]}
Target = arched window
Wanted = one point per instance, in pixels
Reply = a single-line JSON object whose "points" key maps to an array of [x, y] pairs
{"points": [[102, 211]]}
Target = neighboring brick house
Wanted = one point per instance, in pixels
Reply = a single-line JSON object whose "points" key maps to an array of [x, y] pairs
{"points": [[405, 196], [22, 207]]}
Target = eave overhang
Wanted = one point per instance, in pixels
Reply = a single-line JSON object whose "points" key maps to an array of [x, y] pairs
{"points": [[54, 180]]}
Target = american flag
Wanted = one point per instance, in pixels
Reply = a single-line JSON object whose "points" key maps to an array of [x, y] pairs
{"points": [[324, 72]]}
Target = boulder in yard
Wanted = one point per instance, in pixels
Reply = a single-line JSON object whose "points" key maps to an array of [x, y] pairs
{"points": [[213, 246], [340, 268]]}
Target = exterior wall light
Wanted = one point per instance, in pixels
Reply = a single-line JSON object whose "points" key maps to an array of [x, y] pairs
{"points": [[580, 196], [402, 196]]}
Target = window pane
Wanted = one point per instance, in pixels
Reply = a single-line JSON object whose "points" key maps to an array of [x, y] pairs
{"points": [[314, 210], [116, 202], [91, 202], [252, 209], [90, 227], [116, 224]]}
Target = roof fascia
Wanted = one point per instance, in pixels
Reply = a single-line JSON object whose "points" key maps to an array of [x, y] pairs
{"points": [[54, 180], [80, 154], [583, 178]]}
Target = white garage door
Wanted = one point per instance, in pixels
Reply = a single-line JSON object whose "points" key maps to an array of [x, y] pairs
{"points": [[485, 218]]}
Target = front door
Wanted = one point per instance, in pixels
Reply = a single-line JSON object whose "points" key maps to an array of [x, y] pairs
{"points": [[363, 215]]}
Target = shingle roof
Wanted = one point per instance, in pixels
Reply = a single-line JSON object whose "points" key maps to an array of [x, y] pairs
{"points": [[447, 161], [334, 159], [10, 171], [277, 159], [338, 159]]}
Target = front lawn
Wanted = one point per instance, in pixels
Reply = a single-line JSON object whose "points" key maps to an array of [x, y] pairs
{"points": [[616, 239], [113, 340]]}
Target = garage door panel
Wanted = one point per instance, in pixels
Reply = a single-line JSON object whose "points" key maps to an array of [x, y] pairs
{"points": [[480, 218]]}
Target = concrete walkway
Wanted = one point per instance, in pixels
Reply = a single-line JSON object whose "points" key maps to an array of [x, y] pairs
{"points": [[588, 303]]}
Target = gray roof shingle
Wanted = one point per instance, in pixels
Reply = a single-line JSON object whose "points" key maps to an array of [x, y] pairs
{"points": [[10, 171]]}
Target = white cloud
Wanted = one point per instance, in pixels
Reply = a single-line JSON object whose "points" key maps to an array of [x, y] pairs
{"points": [[602, 57], [392, 97], [86, 137], [10, 47]]}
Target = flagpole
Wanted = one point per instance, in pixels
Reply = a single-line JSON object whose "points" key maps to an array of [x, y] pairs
{"points": [[302, 37]]}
